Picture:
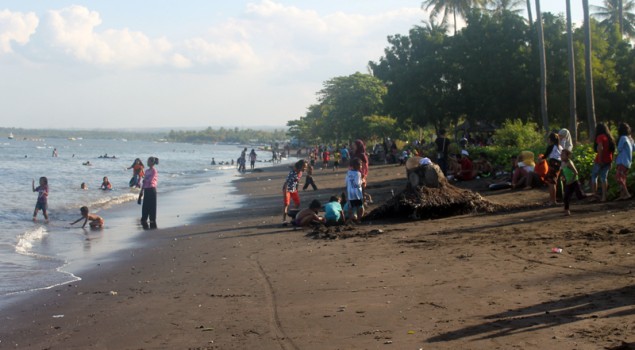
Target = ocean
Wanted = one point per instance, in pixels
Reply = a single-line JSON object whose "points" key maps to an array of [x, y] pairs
{"points": [[36, 255]]}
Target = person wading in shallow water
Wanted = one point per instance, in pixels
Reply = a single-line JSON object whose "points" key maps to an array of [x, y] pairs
{"points": [[148, 194]]}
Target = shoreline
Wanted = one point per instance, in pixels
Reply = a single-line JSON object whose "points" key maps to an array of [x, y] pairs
{"points": [[239, 280]]}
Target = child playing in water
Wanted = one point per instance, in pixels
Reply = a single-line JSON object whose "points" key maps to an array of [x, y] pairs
{"points": [[106, 185], [570, 174], [96, 221], [42, 197]]}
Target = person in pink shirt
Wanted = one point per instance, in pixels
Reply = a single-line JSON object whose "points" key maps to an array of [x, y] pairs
{"points": [[148, 194]]}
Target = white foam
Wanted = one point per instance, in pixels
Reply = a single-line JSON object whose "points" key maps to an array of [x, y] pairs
{"points": [[26, 240]]}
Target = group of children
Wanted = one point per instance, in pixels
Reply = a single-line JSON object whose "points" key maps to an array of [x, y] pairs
{"points": [[147, 196], [557, 165], [350, 205]]}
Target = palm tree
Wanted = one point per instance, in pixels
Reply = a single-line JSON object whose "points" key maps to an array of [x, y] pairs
{"points": [[543, 68], [573, 114], [588, 69], [453, 7], [531, 20], [500, 6], [617, 13]]}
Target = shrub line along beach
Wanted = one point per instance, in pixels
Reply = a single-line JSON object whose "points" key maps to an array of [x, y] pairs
{"points": [[238, 280]]}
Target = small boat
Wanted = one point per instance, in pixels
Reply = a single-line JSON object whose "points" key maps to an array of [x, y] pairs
{"points": [[10, 136]]}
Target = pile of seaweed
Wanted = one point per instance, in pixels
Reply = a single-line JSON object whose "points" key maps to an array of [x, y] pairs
{"points": [[420, 200]]}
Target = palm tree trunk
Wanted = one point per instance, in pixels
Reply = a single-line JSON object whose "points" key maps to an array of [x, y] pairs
{"points": [[543, 68], [529, 16], [573, 114], [621, 19], [454, 12], [588, 70]]}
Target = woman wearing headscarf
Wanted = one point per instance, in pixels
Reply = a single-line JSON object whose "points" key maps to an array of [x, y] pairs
{"points": [[565, 139]]}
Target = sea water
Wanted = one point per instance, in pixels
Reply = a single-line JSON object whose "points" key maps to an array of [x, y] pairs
{"points": [[37, 255]]}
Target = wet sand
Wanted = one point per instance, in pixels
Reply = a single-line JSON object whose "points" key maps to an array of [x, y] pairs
{"points": [[240, 280]]}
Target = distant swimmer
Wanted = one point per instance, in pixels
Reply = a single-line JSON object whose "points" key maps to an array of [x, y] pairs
{"points": [[83, 186], [96, 221], [54, 152], [213, 161], [86, 163]]}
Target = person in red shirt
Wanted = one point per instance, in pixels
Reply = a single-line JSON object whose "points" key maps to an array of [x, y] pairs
{"points": [[467, 168], [604, 145]]}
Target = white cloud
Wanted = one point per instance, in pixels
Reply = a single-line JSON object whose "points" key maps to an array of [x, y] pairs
{"points": [[73, 30], [16, 27]]}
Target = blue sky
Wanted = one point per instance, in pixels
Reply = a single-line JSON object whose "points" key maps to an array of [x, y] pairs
{"points": [[135, 64]]}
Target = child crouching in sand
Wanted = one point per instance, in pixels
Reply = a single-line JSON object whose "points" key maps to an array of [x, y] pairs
{"points": [[570, 174], [96, 221], [333, 212], [309, 216]]}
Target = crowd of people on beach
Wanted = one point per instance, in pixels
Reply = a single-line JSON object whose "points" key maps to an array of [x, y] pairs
{"points": [[145, 180], [555, 169]]}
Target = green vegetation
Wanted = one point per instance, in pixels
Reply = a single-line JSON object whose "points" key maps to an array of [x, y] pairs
{"points": [[228, 135], [488, 71]]}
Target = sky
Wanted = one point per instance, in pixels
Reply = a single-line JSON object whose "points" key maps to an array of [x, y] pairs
{"points": [[188, 64]]}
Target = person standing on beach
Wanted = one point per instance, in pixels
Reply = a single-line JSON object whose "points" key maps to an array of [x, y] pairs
{"points": [[308, 181], [571, 185], [354, 192], [624, 158], [604, 145], [42, 197], [252, 158], [290, 188], [553, 160], [149, 194], [443, 145]]}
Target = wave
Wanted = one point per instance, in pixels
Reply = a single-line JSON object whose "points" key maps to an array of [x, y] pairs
{"points": [[25, 242]]}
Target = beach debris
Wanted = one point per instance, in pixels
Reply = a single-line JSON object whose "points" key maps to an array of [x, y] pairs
{"points": [[58, 316], [429, 195], [341, 232], [112, 292]]}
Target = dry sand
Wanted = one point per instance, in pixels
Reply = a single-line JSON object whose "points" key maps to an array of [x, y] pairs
{"points": [[241, 281]]}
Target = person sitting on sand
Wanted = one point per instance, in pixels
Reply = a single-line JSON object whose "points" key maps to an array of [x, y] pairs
{"points": [[522, 175], [96, 221], [482, 165], [467, 168], [333, 212], [309, 216]]}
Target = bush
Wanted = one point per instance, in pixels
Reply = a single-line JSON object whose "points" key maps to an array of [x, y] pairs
{"points": [[515, 134]]}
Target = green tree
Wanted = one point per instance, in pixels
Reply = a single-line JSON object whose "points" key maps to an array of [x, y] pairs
{"points": [[451, 7], [617, 14], [347, 100], [500, 6]]}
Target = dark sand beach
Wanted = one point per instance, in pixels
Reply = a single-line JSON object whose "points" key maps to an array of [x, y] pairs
{"points": [[239, 280]]}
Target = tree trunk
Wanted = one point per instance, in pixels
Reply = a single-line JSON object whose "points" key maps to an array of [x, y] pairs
{"points": [[573, 114], [529, 16], [588, 70], [543, 68], [621, 19]]}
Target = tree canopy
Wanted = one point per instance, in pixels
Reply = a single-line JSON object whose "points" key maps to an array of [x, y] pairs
{"points": [[488, 71]]}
